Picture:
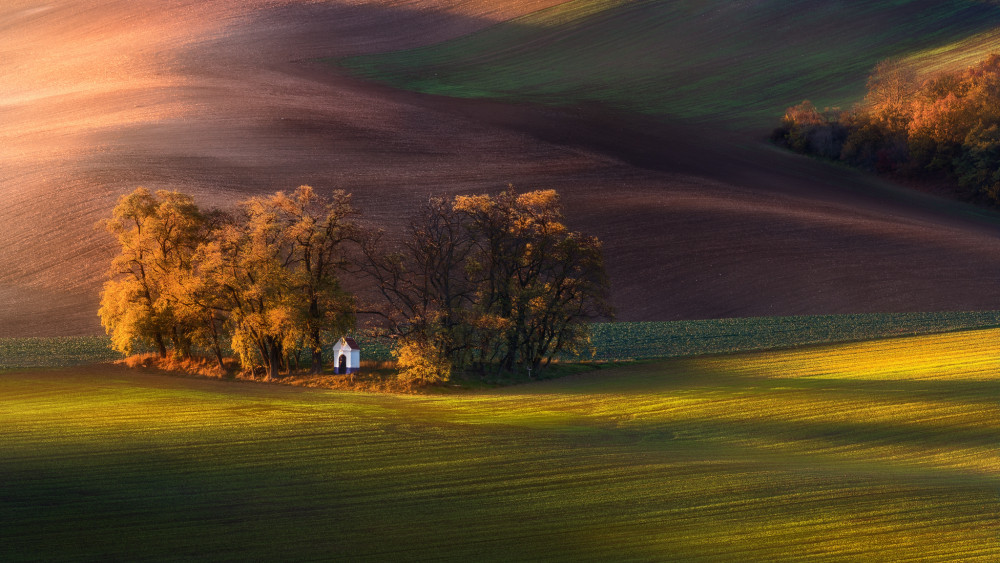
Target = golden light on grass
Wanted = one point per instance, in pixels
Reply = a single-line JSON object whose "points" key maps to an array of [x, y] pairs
{"points": [[958, 356]]}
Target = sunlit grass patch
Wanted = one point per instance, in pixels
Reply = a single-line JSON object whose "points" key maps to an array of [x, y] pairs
{"points": [[964, 356], [958, 55]]}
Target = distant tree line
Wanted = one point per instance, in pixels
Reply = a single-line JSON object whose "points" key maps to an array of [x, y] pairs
{"points": [[946, 127], [483, 283]]}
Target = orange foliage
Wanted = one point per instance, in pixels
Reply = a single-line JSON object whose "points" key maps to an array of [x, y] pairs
{"points": [[947, 126], [945, 120], [190, 366], [804, 115]]}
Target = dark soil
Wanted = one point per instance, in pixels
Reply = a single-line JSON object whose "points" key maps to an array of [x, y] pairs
{"points": [[229, 99]]}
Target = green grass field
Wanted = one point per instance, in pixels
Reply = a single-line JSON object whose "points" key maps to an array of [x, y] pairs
{"points": [[880, 450], [739, 62]]}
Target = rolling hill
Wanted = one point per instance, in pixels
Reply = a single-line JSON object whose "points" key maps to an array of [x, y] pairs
{"points": [[736, 63], [648, 117]]}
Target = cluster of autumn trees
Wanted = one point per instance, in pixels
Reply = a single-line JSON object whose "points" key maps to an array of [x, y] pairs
{"points": [[264, 280], [947, 126], [481, 283]]}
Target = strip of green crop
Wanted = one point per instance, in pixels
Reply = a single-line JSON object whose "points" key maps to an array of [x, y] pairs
{"points": [[633, 341], [55, 351]]}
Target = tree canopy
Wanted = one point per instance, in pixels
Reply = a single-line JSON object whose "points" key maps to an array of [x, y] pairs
{"points": [[158, 235], [946, 127], [490, 283], [266, 277]]}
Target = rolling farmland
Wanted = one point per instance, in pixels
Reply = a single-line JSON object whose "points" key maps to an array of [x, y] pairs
{"points": [[880, 449], [793, 406], [730, 63], [606, 102]]}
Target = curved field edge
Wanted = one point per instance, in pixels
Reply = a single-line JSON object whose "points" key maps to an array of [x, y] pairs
{"points": [[608, 342], [742, 62], [854, 451]]}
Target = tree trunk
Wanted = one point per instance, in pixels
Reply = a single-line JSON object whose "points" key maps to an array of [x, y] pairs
{"points": [[261, 345], [283, 364], [218, 356], [510, 358], [161, 347], [273, 360], [272, 365], [216, 347], [181, 345], [317, 353]]}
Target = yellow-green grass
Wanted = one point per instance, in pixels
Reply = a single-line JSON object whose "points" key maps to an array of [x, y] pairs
{"points": [[955, 56], [740, 62], [878, 450]]}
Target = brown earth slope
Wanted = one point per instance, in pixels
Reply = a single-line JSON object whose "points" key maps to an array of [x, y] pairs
{"points": [[224, 99]]}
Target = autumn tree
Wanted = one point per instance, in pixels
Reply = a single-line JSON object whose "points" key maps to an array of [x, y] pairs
{"points": [[491, 282], [426, 290], [891, 87], [945, 127], [315, 230], [421, 359], [978, 165], [538, 283], [266, 277], [277, 269], [198, 295], [247, 265], [805, 128], [158, 235]]}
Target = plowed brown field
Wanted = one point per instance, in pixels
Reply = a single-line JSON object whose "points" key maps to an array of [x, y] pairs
{"points": [[225, 99]]}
